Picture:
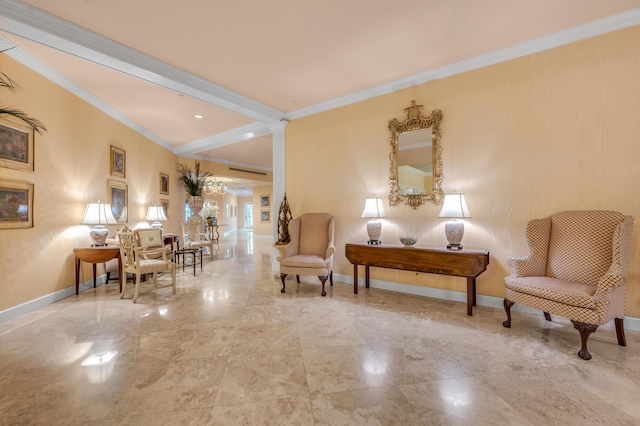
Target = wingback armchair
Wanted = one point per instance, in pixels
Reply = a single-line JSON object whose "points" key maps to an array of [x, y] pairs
{"points": [[577, 268], [310, 251]]}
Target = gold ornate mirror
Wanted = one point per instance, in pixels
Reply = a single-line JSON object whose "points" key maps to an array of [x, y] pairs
{"points": [[415, 174]]}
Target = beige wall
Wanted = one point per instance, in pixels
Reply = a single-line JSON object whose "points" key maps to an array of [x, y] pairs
{"points": [[71, 169], [241, 210], [523, 139]]}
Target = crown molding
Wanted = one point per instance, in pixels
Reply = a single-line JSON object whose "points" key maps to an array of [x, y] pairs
{"points": [[611, 23], [34, 24], [46, 71]]}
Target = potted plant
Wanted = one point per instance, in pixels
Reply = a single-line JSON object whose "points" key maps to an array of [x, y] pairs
{"points": [[194, 182], [34, 123]]}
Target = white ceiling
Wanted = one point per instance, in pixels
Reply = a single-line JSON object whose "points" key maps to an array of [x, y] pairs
{"points": [[245, 66]]}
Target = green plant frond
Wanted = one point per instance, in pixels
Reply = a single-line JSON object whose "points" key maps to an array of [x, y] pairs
{"points": [[193, 181], [32, 122], [8, 82]]}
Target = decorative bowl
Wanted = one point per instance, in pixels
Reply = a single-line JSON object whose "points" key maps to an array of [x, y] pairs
{"points": [[408, 240]]}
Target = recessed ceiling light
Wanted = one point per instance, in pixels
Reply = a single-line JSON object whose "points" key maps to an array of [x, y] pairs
{"points": [[198, 116]]}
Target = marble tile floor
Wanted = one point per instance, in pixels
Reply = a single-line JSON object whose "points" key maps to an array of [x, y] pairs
{"points": [[230, 349]]}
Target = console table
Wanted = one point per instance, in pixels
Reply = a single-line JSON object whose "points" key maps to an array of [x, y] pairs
{"points": [[467, 263], [94, 255]]}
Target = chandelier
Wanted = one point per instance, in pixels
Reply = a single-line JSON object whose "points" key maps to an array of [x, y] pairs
{"points": [[214, 187]]}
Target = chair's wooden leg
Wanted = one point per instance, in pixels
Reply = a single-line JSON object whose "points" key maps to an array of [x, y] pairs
{"points": [[507, 308], [585, 331], [124, 284], [173, 279], [282, 277], [137, 293], [620, 332], [331, 278], [547, 316], [323, 279], [298, 278], [107, 279], [155, 279]]}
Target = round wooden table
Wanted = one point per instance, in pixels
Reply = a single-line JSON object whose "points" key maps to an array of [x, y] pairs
{"points": [[94, 255]]}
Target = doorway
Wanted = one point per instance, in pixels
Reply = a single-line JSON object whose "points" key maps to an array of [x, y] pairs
{"points": [[248, 215]]}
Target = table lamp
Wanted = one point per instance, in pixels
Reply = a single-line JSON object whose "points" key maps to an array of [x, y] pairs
{"points": [[454, 207], [98, 214], [155, 214], [374, 209]]}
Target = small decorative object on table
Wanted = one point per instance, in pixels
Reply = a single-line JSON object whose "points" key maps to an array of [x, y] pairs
{"points": [[408, 240]]}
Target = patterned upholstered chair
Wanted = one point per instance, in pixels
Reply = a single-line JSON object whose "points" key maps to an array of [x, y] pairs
{"points": [[193, 238], [140, 251], [577, 268], [310, 251]]}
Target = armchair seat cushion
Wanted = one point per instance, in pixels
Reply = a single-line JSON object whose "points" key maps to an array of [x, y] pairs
{"points": [[305, 261], [556, 290]]}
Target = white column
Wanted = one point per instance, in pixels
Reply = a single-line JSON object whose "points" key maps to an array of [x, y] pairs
{"points": [[277, 131]]}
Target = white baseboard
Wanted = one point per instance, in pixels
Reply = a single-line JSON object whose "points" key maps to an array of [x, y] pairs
{"points": [[32, 305], [630, 323]]}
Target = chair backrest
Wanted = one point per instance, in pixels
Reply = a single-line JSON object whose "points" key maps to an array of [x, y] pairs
{"points": [[127, 247], [581, 244], [190, 232], [149, 237], [316, 232]]}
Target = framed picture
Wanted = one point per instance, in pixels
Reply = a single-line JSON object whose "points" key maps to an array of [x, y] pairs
{"points": [[16, 145], [118, 162], [164, 184], [16, 204], [264, 201], [165, 206], [265, 216], [118, 197]]}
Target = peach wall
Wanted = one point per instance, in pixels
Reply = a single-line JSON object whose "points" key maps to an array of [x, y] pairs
{"points": [[241, 210], [523, 139], [259, 227], [71, 169]]}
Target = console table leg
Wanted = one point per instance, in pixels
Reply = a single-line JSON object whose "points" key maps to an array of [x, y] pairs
{"points": [[355, 278], [77, 274], [471, 295], [94, 275], [366, 276]]}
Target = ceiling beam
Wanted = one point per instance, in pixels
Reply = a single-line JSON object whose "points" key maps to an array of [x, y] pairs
{"points": [[239, 134], [34, 24]]}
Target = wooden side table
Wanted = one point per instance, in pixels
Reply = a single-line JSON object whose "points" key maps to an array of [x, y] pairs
{"points": [[95, 255], [468, 263]]}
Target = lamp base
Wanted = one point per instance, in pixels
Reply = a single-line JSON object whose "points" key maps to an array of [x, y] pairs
{"points": [[454, 230], [156, 224], [98, 235], [374, 242], [374, 229]]}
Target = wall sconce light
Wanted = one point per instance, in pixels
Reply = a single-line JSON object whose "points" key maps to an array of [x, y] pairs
{"points": [[155, 214], [374, 209], [98, 214], [454, 207]]}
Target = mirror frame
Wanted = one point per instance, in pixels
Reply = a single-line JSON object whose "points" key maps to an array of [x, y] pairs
{"points": [[416, 121]]}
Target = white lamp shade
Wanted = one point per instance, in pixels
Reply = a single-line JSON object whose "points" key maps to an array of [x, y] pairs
{"points": [[373, 207], [155, 213], [454, 206], [98, 214]]}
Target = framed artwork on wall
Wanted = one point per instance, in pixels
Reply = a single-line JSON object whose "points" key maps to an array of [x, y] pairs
{"points": [[265, 216], [264, 201], [118, 197], [164, 184], [16, 145], [16, 204], [165, 206], [118, 162]]}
